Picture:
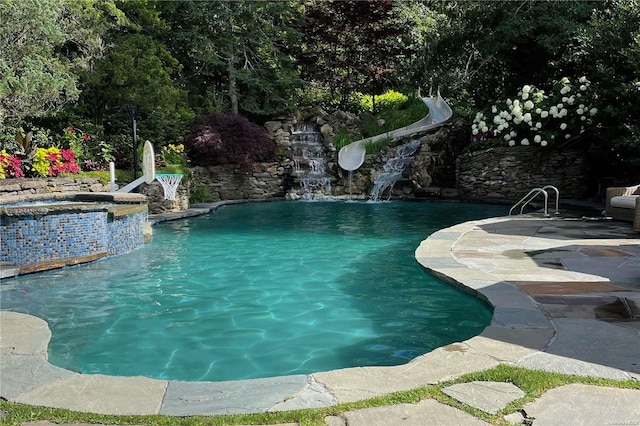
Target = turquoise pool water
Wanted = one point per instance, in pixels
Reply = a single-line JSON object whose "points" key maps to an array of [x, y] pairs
{"points": [[259, 290]]}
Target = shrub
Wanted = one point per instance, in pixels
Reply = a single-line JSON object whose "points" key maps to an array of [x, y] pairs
{"points": [[173, 155], [389, 101], [53, 161], [76, 139], [414, 110], [228, 139], [535, 117], [200, 194], [9, 165]]}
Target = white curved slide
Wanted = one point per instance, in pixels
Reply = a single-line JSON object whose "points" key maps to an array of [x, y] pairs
{"points": [[351, 157]]}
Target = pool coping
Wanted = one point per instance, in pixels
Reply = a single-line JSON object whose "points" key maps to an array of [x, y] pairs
{"points": [[521, 333]]}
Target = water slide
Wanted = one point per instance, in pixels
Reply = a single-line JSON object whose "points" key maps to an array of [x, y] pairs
{"points": [[351, 157]]}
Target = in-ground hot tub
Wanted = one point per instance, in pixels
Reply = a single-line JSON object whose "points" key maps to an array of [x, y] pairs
{"points": [[47, 231]]}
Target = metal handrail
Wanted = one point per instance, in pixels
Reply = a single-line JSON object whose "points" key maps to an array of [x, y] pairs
{"points": [[533, 194], [557, 196], [530, 196]]}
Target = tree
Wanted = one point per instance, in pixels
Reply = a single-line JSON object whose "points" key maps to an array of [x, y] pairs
{"points": [[489, 49], [608, 50], [350, 44], [228, 139], [241, 49], [38, 62], [136, 70], [33, 80]]}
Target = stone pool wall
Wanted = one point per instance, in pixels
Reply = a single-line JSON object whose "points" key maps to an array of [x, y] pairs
{"points": [[227, 182], [44, 232]]}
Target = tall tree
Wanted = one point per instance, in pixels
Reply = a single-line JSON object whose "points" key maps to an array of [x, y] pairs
{"points": [[38, 62], [489, 49], [350, 44], [242, 49]]}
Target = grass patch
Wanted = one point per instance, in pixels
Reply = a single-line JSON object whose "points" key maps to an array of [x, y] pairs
{"points": [[534, 383], [415, 109], [375, 147], [341, 139], [102, 176]]}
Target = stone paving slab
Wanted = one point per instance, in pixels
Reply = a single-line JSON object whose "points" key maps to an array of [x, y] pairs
{"points": [[424, 413], [29, 335], [100, 394], [564, 365], [511, 344], [520, 318], [445, 363], [23, 373], [597, 342], [568, 287], [244, 396], [506, 295], [619, 270], [489, 397], [586, 405]]}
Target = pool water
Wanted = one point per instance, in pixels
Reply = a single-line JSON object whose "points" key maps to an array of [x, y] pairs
{"points": [[259, 290]]}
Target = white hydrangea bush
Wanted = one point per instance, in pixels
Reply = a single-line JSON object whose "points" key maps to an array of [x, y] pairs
{"points": [[535, 117]]}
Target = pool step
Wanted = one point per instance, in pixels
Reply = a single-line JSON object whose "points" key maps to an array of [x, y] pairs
{"points": [[8, 270]]}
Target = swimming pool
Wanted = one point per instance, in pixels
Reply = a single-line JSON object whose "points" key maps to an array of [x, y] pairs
{"points": [[259, 290]]}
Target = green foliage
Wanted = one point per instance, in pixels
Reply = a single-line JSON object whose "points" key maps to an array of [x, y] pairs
{"points": [[389, 101], [341, 139], [34, 79], [85, 60], [376, 146], [174, 169], [386, 121], [173, 155], [313, 95], [245, 54], [199, 194]]}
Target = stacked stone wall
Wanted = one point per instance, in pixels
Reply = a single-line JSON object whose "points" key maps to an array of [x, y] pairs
{"points": [[511, 172], [228, 182], [30, 186]]}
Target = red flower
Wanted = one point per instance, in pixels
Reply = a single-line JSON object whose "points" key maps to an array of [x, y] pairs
{"points": [[70, 129], [85, 137], [67, 155], [51, 157], [73, 168]]}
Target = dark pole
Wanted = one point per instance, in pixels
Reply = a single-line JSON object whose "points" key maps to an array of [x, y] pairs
{"points": [[133, 113]]}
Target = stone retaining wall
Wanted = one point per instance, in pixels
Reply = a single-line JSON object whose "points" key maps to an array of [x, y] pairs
{"points": [[29, 186], [228, 182], [511, 172]]}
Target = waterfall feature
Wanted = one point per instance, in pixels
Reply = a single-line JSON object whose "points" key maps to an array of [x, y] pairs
{"points": [[308, 162], [393, 169]]}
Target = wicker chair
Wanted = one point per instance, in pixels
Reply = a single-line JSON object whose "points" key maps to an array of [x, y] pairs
{"points": [[620, 213]]}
